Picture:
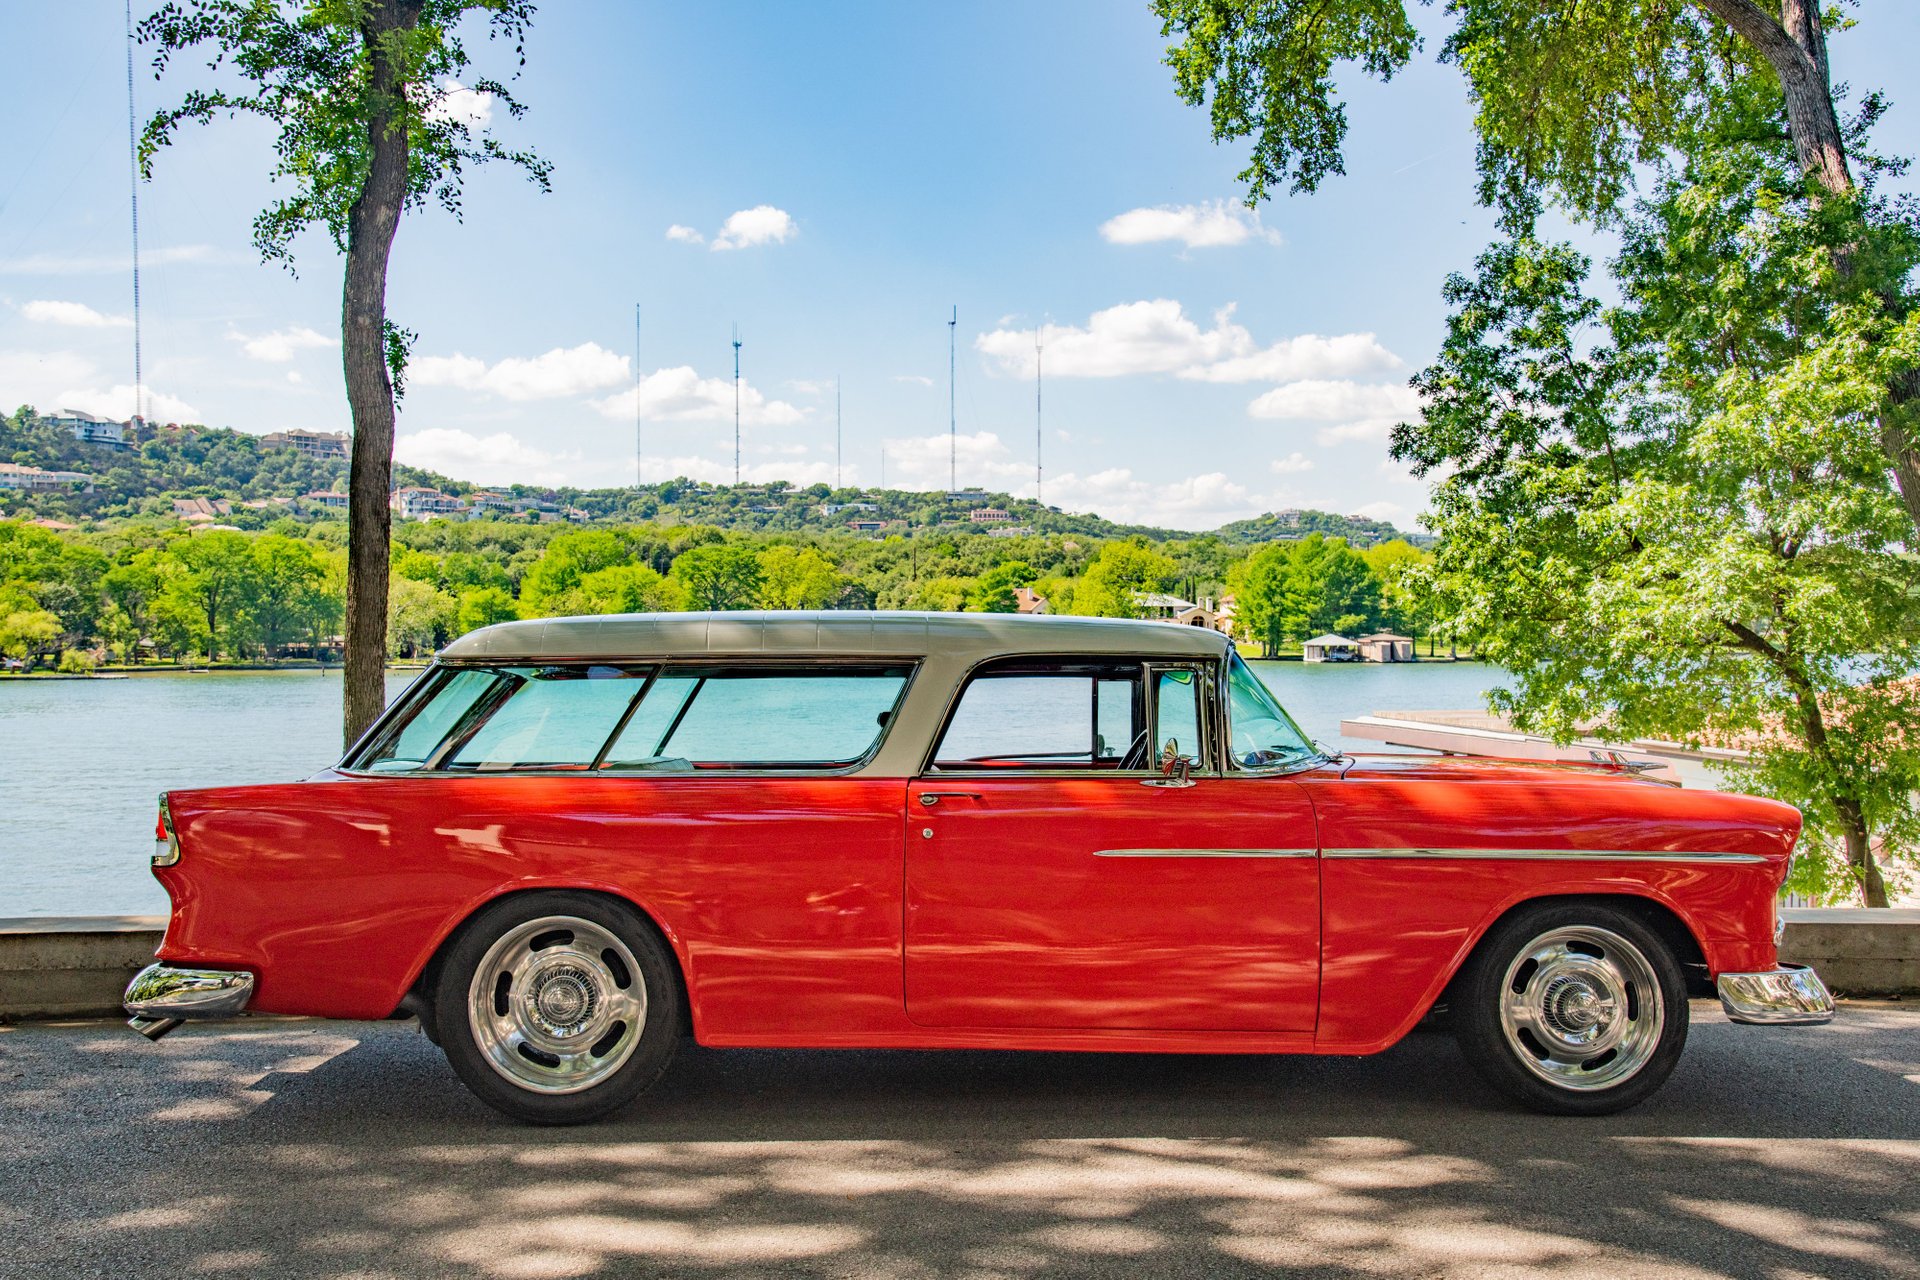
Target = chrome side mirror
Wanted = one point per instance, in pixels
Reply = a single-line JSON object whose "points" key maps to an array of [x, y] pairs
{"points": [[1176, 770]]}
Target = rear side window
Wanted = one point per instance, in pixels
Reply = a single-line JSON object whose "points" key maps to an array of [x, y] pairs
{"points": [[587, 718]]}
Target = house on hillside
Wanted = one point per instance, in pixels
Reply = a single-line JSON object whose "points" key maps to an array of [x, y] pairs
{"points": [[201, 510], [1331, 648], [91, 428], [327, 498], [309, 444], [40, 480], [1025, 601], [417, 502]]}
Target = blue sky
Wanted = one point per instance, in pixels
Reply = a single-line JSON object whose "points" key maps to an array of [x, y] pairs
{"points": [[832, 177]]}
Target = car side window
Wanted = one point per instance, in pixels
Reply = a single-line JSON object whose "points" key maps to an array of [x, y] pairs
{"points": [[744, 718], [1066, 715], [1176, 702], [628, 719]]}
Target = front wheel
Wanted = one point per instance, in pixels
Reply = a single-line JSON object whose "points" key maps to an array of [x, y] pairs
{"points": [[1574, 1009], [557, 1008]]}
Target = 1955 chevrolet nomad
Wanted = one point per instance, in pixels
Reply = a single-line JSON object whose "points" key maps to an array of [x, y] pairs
{"points": [[573, 842]]}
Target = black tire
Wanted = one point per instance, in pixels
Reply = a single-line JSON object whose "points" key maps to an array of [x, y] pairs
{"points": [[1521, 1019], [555, 956]]}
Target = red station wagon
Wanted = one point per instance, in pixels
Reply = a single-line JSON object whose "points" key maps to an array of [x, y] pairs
{"points": [[573, 842]]}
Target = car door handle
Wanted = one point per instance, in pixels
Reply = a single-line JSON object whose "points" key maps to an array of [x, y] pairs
{"points": [[931, 798]]}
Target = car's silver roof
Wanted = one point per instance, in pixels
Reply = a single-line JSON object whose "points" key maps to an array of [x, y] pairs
{"points": [[962, 637]]}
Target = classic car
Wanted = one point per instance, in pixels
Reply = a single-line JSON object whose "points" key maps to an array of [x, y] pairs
{"points": [[572, 843]]}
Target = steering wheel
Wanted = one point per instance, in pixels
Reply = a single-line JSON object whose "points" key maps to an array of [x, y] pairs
{"points": [[1136, 755]]}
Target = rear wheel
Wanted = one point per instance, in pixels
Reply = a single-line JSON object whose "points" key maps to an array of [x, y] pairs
{"points": [[1573, 1008], [557, 1008]]}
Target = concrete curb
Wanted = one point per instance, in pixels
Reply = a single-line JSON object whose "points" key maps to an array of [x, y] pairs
{"points": [[1857, 951], [72, 966], [78, 966]]}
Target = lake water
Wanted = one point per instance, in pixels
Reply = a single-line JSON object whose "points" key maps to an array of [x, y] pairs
{"points": [[81, 761]]}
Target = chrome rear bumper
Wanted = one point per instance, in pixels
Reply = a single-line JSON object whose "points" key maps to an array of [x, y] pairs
{"points": [[1791, 995], [161, 997]]}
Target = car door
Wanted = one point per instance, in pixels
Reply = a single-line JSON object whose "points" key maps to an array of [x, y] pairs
{"points": [[1057, 879]]}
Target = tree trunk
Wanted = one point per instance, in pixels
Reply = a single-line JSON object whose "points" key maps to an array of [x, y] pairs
{"points": [[1873, 887], [1795, 46], [371, 224]]}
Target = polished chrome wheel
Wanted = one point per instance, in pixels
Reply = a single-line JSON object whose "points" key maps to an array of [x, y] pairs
{"points": [[1582, 1008], [557, 1004]]}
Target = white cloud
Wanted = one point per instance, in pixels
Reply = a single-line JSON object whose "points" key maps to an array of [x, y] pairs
{"points": [[76, 314], [720, 471], [1307, 356], [281, 345], [1334, 399], [1196, 502], [1197, 226], [117, 402], [1293, 464], [682, 394], [1133, 338], [762, 224], [500, 458], [563, 371], [1369, 430], [1392, 512], [461, 105], [685, 235], [60, 264]]}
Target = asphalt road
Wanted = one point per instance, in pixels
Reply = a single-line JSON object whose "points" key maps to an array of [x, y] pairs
{"points": [[309, 1149]]}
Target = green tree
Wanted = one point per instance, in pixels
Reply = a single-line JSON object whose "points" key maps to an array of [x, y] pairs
{"points": [[484, 606], [359, 93], [421, 617], [1119, 575], [25, 628], [220, 579], [994, 592], [1571, 101], [1396, 566], [718, 576], [1672, 516], [567, 559], [796, 578], [290, 600], [625, 588]]}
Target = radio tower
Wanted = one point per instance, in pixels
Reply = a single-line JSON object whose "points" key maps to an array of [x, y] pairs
{"points": [[736, 405], [953, 431], [836, 431], [1037, 435], [133, 166], [639, 453]]}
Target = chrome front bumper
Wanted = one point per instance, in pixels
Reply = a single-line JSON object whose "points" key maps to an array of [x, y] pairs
{"points": [[161, 997], [1791, 995]]}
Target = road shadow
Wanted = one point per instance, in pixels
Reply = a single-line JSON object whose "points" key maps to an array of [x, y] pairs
{"points": [[314, 1149]]}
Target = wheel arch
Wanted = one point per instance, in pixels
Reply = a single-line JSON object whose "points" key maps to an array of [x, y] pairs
{"points": [[1662, 918], [417, 1001]]}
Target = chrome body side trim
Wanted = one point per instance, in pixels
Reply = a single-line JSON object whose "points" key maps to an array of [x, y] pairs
{"points": [[161, 991], [1790, 996], [1548, 855], [1203, 853]]}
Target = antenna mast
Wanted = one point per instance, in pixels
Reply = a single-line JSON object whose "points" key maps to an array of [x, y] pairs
{"points": [[133, 168], [639, 452], [953, 431], [736, 404], [640, 455], [1037, 433], [836, 431]]}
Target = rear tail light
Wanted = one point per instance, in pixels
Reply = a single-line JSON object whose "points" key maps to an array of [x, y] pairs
{"points": [[166, 846]]}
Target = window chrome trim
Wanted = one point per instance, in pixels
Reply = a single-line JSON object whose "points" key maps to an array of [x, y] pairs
{"points": [[1204, 853], [1549, 855]]}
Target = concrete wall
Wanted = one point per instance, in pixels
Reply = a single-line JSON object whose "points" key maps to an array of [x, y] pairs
{"points": [[77, 966], [72, 966], [1856, 951]]}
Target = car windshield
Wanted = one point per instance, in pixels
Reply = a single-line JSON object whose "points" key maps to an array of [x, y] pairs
{"points": [[1262, 735]]}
